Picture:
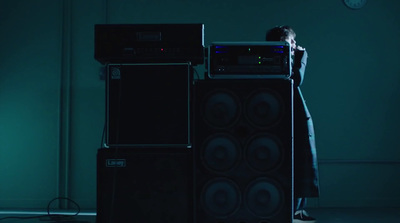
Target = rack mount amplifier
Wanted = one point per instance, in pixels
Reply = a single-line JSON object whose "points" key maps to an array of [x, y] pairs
{"points": [[227, 60]]}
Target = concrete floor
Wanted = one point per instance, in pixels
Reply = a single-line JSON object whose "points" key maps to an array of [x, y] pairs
{"points": [[323, 215], [356, 215]]}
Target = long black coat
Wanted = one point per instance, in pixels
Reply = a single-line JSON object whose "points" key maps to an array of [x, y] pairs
{"points": [[306, 179]]}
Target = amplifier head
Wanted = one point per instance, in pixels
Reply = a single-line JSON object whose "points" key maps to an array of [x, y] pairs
{"points": [[149, 43]]}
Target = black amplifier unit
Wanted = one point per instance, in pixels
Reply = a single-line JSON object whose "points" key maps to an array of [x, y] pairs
{"points": [[232, 60], [149, 43]]}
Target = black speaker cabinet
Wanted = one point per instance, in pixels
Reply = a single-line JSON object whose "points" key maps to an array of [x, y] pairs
{"points": [[148, 105], [144, 185], [243, 143]]}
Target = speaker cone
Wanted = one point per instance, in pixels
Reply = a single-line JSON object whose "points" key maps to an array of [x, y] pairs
{"points": [[264, 153], [264, 197], [221, 109], [221, 197], [263, 108], [220, 153]]}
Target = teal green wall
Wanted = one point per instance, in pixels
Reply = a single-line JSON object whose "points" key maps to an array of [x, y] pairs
{"points": [[52, 99]]}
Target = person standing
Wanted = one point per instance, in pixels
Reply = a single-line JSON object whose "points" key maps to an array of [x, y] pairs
{"points": [[306, 178]]}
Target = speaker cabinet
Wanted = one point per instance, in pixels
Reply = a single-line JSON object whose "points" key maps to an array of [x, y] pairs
{"points": [[148, 105], [144, 185], [243, 143]]}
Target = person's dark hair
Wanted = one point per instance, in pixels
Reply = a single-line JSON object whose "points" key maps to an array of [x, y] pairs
{"points": [[279, 33]]}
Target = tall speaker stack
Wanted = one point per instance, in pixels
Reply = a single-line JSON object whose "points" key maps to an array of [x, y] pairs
{"points": [[243, 135], [217, 149], [243, 152], [145, 171]]}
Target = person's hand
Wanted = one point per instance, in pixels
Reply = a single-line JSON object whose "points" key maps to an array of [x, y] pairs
{"points": [[300, 48]]}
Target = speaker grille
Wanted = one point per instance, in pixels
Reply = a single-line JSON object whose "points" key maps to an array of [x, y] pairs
{"points": [[243, 144], [144, 185], [148, 105]]}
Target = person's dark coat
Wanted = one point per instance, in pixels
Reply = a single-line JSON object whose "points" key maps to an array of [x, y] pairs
{"points": [[306, 182]]}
